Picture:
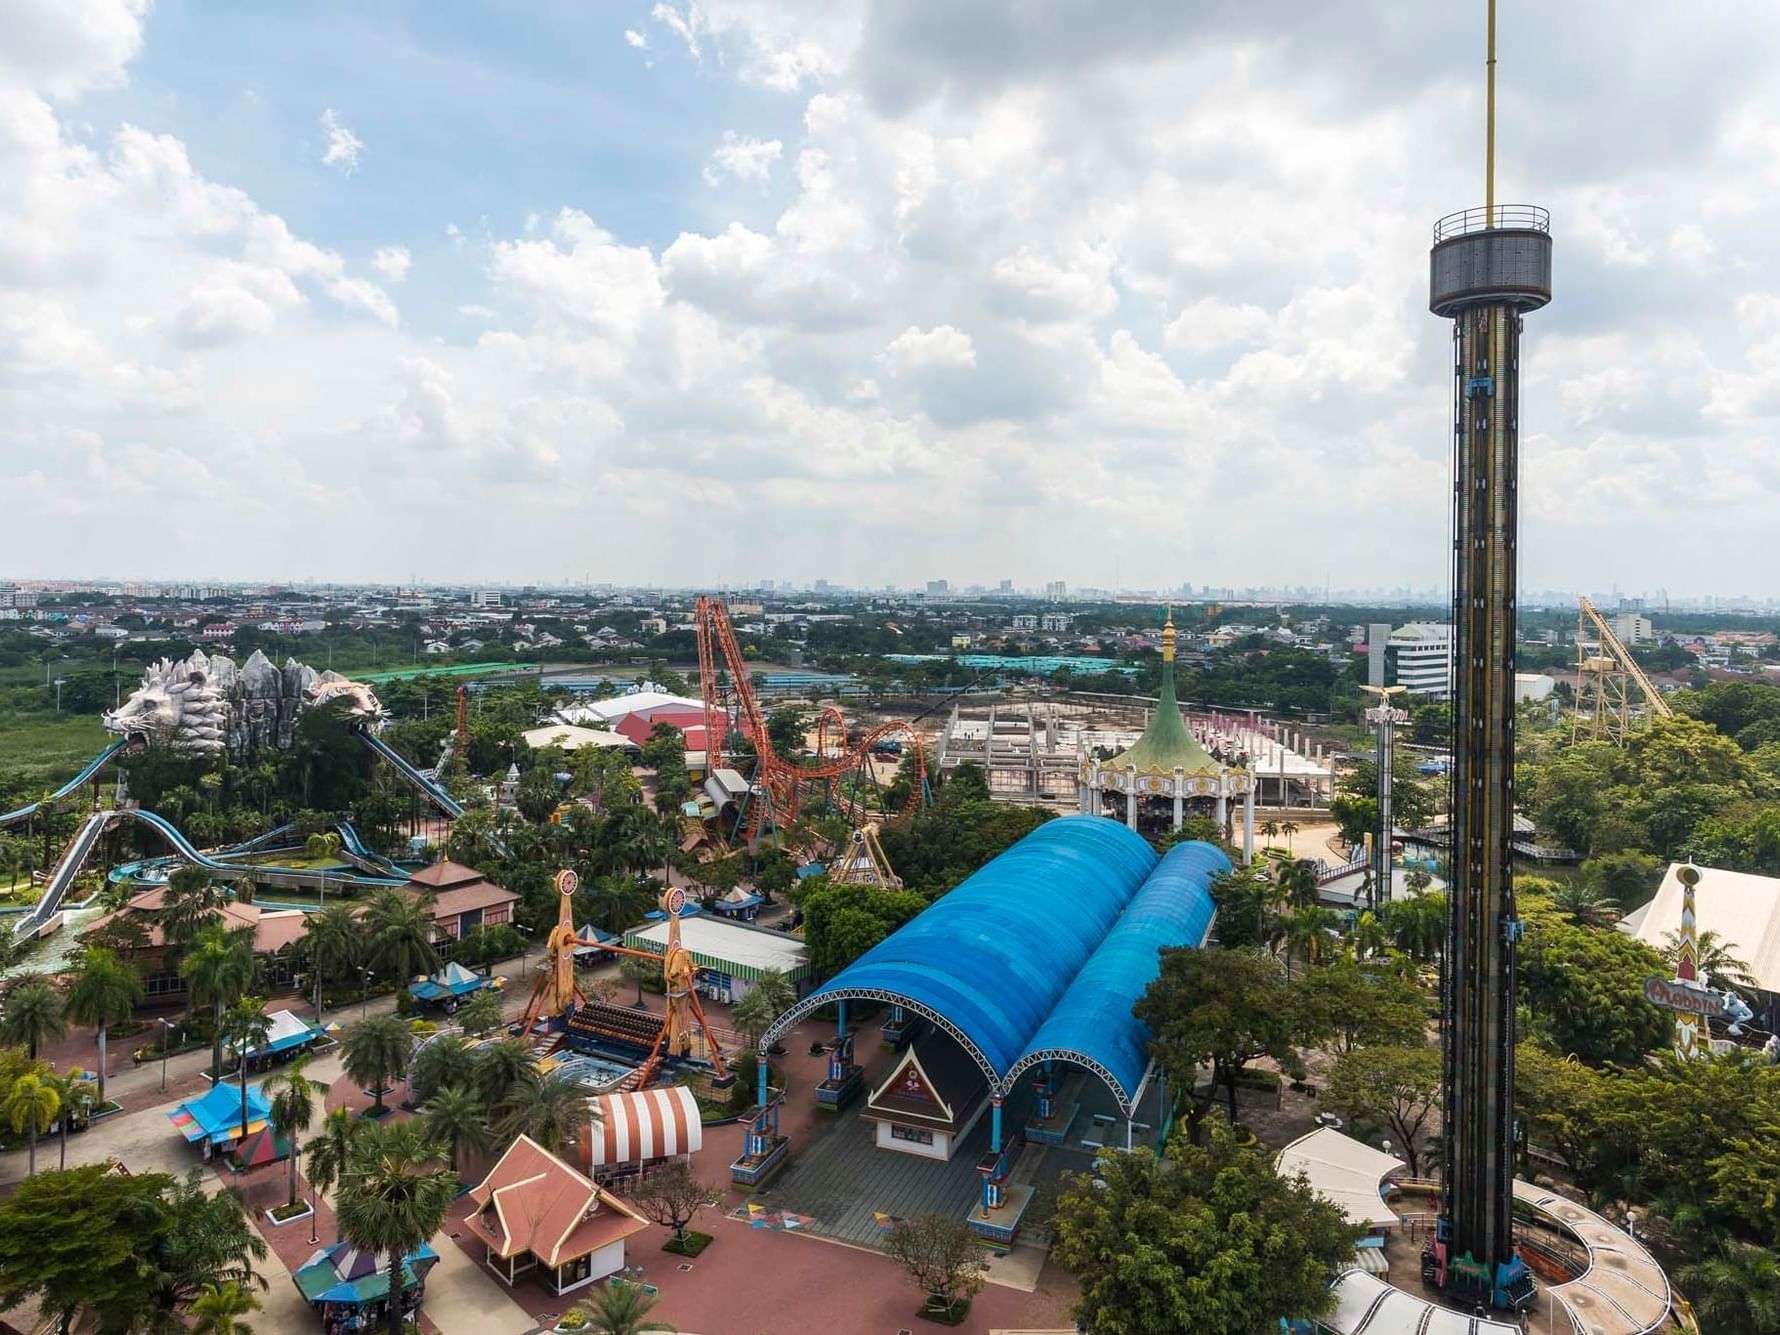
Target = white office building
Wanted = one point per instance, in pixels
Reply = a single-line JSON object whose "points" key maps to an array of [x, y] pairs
{"points": [[1632, 628], [1423, 653]]}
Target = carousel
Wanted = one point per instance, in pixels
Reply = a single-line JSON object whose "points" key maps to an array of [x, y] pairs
{"points": [[1166, 770]]}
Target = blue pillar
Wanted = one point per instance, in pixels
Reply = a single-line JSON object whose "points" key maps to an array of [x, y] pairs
{"points": [[762, 1080], [995, 1126], [840, 1029]]}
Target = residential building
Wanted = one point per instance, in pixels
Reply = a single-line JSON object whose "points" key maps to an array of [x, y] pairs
{"points": [[1056, 621], [1423, 654], [1023, 622], [1632, 628], [275, 931], [485, 597]]}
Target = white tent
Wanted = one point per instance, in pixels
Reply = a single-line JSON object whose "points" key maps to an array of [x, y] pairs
{"points": [[1344, 1171], [1741, 907]]}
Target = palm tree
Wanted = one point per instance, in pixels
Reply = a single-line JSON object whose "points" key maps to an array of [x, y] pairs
{"points": [[482, 1014], [1417, 925], [620, 1308], [32, 1015], [293, 1108], [221, 1304], [753, 1016], [105, 992], [191, 900], [439, 1062], [1269, 829], [329, 1152], [1736, 1291], [1369, 936], [336, 944], [638, 971], [500, 1066], [399, 928], [219, 970], [1308, 932], [394, 1197], [618, 901], [1585, 903], [1288, 828], [70, 1094], [246, 1027], [1297, 882], [32, 1104], [551, 1110], [206, 1240], [1712, 957], [453, 1117], [376, 1052]]}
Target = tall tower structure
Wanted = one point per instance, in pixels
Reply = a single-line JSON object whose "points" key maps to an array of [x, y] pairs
{"points": [[1488, 268]]}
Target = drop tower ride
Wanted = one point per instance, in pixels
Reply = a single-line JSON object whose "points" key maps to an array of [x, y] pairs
{"points": [[1488, 268]]}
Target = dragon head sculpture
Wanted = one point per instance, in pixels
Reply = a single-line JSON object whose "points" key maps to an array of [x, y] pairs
{"points": [[205, 706], [362, 702], [178, 705]]}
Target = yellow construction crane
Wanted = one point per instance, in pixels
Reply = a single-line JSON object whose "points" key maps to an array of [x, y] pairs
{"points": [[867, 864], [1605, 675]]}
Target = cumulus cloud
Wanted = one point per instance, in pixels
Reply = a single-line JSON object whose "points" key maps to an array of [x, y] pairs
{"points": [[1021, 273], [392, 262], [635, 39], [344, 147], [942, 347], [743, 158]]}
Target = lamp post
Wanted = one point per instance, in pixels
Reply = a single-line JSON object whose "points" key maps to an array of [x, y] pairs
{"points": [[364, 974], [166, 1025]]}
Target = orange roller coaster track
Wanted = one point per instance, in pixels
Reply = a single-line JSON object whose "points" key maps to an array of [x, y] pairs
{"points": [[732, 709]]}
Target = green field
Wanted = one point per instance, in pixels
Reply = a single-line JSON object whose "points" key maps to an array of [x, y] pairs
{"points": [[50, 747]]}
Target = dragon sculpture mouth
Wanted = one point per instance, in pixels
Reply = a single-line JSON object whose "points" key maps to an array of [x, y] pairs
{"points": [[203, 706]]}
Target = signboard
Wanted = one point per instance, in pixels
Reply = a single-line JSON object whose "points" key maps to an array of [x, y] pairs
{"points": [[1675, 995]]}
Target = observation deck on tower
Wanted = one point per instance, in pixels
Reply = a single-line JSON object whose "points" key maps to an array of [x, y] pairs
{"points": [[1487, 255]]}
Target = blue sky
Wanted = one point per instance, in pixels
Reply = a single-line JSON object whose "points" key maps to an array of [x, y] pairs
{"points": [[869, 290]]}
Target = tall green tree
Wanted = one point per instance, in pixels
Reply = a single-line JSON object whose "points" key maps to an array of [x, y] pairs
{"points": [[1736, 1290], [399, 929], [376, 1052], [329, 1151], [336, 942], [31, 1013], [30, 1107], [293, 1101], [551, 1110], [105, 992], [1217, 1008], [620, 1307], [218, 970], [394, 1196], [453, 1116], [220, 1309], [441, 1061], [1585, 989], [1210, 1240], [1395, 1087], [1348, 1003]]}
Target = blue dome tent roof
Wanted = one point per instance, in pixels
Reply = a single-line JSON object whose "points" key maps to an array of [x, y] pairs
{"points": [[1092, 1024], [989, 960]]}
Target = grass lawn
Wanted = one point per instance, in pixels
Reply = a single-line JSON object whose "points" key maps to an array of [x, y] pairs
{"points": [[50, 747]]}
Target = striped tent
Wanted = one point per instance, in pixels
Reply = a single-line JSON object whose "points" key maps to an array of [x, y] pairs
{"points": [[630, 1130]]}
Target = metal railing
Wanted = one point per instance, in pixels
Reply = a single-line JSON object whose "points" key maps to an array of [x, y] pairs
{"points": [[1519, 217]]}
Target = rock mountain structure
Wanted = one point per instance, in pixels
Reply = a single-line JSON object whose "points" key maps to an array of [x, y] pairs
{"points": [[204, 706]]}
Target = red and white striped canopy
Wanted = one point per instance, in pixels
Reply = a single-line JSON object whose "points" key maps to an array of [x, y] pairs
{"points": [[647, 1124]]}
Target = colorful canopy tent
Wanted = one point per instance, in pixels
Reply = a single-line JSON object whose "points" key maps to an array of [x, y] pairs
{"points": [[453, 982], [216, 1117], [289, 1032], [260, 1148], [346, 1285], [591, 942], [629, 1130]]}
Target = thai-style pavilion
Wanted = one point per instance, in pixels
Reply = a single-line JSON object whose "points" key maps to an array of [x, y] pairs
{"points": [[1168, 762]]}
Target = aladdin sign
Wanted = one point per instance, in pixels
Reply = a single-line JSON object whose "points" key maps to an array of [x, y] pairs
{"points": [[1676, 995]]}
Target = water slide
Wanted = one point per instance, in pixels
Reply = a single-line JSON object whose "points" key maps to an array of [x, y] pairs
{"points": [[79, 849], [271, 874], [355, 851], [431, 789], [92, 767]]}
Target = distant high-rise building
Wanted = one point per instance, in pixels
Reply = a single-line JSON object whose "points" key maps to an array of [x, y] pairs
{"points": [[1378, 634], [1007, 586], [1633, 628], [938, 588], [1423, 650], [822, 586], [1056, 591]]}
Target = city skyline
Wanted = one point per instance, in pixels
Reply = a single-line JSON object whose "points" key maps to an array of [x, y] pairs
{"points": [[377, 296]]}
